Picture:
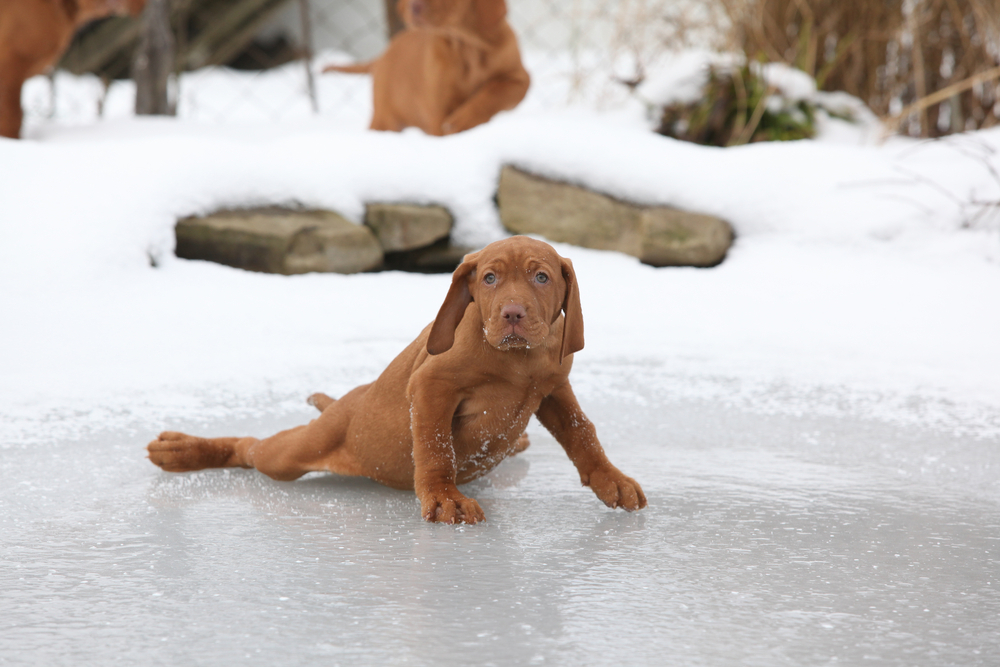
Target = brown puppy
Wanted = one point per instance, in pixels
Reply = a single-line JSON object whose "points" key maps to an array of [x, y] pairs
{"points": [[33, 35], [455, 66], [454, 403]]}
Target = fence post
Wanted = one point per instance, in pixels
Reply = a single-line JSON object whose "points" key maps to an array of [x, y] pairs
{"points": [[307, 56], [154, 61]]}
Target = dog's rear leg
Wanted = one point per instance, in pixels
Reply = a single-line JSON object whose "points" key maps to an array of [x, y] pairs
{"points": [[320, 401], [285, 456], [179, 452], [13, 76]]}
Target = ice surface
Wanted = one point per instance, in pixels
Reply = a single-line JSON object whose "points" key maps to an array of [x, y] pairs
{"points": [[770, 539], [816, 422]]}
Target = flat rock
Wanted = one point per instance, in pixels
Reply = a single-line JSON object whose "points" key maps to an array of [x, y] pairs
{"points": [[566, 213], [671, 237], [401, 227], [274, 240]]}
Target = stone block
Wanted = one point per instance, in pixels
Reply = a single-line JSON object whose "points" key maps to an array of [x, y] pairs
{"points": [[670, 237], [274, 240], [401, 227], [566, 213]]}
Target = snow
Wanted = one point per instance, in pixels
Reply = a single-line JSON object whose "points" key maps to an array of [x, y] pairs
{"points": [[852, 267], [814, 421], [679, 77], [789, 82]]}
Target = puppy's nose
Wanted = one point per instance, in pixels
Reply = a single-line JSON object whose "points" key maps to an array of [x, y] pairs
{"points": [[417, 7], [513, 313]]}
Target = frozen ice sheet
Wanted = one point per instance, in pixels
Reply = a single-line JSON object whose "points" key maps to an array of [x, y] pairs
{"points": [[769, 540]]}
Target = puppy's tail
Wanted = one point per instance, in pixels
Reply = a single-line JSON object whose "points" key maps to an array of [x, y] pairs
{"points": [[320, 401], [357, 68]]}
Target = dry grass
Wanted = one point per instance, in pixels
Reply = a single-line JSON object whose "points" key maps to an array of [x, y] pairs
{"points": [[890, 53]]}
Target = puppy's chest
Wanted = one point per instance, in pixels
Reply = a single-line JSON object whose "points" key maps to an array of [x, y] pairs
{"points": [[496, 414], [474, 65], [485, 432], [486, 420]]}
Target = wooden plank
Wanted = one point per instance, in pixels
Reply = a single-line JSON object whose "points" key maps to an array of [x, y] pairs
{"points": [[102, 48], [229, 18], [228, 27], [235, 42], [99, 45]]}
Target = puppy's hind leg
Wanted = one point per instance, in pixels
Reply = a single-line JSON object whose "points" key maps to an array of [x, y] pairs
{"points": [[320, 401], [284, 456], [179, 452], [11, 115]]}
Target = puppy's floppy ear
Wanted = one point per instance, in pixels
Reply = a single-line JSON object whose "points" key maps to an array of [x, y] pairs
{"points": [[572, 338], [403, 11], [489, 13], [442, 335]]}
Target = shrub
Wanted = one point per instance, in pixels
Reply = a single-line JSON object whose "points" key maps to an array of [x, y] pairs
{"points": [[745, 104]]}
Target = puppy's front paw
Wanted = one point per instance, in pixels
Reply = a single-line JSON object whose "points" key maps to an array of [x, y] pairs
{"points": [[450, 506], [178, 452], [615, 489]]}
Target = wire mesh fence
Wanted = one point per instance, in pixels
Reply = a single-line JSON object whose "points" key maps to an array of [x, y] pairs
{"points": [[243, 60], [254, 60]]}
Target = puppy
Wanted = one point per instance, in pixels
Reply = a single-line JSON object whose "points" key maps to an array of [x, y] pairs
{"points": [[455, 66], [455, 402]]}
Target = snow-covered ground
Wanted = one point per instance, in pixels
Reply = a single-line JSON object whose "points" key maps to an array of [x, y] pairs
{"points": [[858, 265], [853, 325]]}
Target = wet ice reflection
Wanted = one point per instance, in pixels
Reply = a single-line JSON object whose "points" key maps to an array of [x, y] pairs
{"points": [[754, 549]]}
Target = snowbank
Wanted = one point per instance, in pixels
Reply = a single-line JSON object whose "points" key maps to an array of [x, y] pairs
{"points": [[860, 266]]}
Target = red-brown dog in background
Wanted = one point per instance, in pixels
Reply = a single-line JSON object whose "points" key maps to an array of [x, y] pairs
{"points": [[33, 35], [455, 66], [455, 402]]}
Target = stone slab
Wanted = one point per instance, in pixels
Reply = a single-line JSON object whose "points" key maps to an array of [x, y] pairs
{"points": [[274, 240], [566, 213], [401, 227]]}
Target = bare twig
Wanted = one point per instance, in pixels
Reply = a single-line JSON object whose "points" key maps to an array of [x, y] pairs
{"points": [[754, 121], [942, 95]]}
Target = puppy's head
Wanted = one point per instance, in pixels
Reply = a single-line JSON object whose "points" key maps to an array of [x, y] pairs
{"points": [[478, 15], [520, 286]]}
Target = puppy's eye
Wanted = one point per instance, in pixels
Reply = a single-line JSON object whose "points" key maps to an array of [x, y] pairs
{"points": [[490, 278], [542, 278]]}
